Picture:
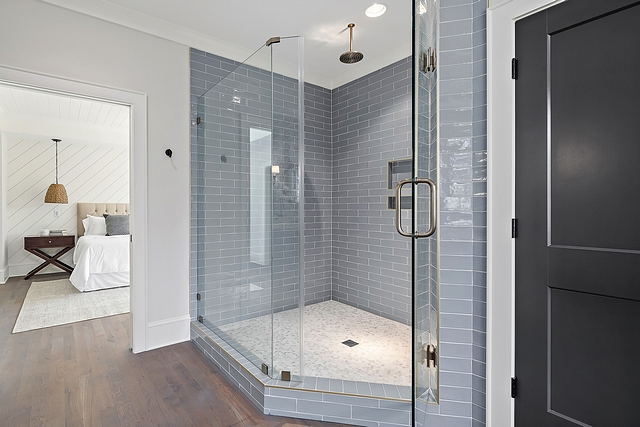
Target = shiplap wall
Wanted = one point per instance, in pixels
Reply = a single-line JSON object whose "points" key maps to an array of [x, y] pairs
{"points": [[90, 172]]}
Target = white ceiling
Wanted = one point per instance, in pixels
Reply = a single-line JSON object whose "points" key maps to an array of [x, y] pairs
{"points": [[15, 100], [235, 29], [32, 112]]}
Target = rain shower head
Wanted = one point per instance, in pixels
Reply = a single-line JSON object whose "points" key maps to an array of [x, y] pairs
{"points": [[352, 56]]}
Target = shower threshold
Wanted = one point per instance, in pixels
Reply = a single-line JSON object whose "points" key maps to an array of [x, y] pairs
{"points": [[368, 393]]}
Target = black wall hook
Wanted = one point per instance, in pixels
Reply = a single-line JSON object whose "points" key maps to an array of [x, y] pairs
{"points": [[168, 152]]}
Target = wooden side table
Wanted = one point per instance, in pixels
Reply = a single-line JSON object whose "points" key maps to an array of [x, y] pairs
{"points": [[33, 244]]}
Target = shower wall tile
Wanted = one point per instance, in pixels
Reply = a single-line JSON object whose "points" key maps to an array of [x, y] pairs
{"points": [[462, 68], [206, 71], [371, 119], [232, 282], [317, 195]]}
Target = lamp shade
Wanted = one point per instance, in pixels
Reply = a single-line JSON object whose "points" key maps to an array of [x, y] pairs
{"points": [[56, 194]]}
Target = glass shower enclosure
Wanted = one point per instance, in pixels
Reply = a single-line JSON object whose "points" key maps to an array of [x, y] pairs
{"points": [[250, 208], [250, 211]]}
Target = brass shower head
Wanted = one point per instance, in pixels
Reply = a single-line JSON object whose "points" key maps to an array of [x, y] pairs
{"points": [[352, 56]]}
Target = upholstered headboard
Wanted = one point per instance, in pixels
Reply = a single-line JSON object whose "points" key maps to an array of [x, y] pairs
{"points": [[97, 209]]}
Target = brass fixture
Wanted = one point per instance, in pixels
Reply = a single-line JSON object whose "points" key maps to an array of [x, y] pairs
{"points": [[352, 56]]}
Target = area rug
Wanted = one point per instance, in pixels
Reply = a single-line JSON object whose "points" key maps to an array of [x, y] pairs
{"points": [[58, 302]]}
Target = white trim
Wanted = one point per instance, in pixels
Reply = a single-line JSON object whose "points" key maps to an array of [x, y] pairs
{"points": [[501, 17], [138, 177], [168, 331], [4, 257]]}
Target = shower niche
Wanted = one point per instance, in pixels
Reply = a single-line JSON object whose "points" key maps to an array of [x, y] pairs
{"points": [[397, 170]]}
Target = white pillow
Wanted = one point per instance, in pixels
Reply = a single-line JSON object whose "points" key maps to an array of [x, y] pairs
{"points": [[94, 226]]}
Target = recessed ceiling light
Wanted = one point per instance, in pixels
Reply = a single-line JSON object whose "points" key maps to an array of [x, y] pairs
{"points": [[375, 10]]}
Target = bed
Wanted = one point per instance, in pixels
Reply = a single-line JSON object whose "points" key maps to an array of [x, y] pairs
{"points": [[101, 262]]}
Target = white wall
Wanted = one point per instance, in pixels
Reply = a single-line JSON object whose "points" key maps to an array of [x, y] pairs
{"points": [[45, 39], [91, 172]]}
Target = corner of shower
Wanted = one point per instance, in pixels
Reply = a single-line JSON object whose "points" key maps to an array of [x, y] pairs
{"points": [[248, 209]]}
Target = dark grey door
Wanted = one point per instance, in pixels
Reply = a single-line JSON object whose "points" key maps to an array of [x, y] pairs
{"points": [[577, 260]]}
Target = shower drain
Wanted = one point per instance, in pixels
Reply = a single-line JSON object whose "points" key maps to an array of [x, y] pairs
{"points": [[350, 343]]}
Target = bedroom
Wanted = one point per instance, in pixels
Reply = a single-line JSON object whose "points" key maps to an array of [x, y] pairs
{"points": [[92, 164]]}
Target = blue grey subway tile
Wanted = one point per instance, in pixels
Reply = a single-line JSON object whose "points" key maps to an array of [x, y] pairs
{"points": [[451, 3], [324, 408], [456, 13], [350, 400], [379, 414], [290, 414], [280, 403], [455, 408]]}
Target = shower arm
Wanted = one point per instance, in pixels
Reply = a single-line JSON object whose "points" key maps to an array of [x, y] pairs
{"points": [[351, 37]]}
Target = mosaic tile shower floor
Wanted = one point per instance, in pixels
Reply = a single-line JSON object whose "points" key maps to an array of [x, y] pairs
{"points": [[383, 353]]}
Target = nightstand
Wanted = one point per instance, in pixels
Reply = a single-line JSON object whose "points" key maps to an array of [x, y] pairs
{"points": [[34, 244]]}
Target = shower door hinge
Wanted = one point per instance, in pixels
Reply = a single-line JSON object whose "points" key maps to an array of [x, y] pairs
{"points": [[265, 369], [197, 120], [428, 60], [198, 297], [514, 228], [200, 319], [514, 68], [429, 356], [514, 387]]}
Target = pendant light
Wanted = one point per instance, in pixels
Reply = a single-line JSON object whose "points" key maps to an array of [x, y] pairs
{"points": [[56, 192]]}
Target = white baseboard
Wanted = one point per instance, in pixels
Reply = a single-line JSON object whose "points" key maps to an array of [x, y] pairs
{"points": [[4, 275], [169, 331]]}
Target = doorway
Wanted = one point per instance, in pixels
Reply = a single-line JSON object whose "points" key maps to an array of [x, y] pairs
{"points": [[138, 174]]}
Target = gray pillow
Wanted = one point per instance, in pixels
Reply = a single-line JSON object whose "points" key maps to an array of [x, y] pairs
{"points": [[117, 225]]}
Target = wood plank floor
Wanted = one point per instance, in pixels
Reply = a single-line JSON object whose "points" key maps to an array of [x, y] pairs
{"points": [[83, 374]]}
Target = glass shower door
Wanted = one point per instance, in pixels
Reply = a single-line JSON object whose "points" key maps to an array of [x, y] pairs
{"points": [[249, 209], [287, 208], [234, 202]]}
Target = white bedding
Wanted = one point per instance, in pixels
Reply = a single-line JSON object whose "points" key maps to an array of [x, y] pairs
{"points": [[101, 262]]}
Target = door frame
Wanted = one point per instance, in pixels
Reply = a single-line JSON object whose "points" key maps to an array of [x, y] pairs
{"points": [[137, 103], [501, 18]]}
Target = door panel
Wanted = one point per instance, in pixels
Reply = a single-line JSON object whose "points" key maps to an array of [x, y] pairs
{"points": [[595, 272], [591, 346], [594, 115], [577, 198]]}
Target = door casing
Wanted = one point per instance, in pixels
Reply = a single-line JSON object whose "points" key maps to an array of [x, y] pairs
{"points": [[137, 103]]}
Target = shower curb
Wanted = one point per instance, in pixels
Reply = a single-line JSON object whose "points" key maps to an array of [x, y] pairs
{"points": [[292, 399]]}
